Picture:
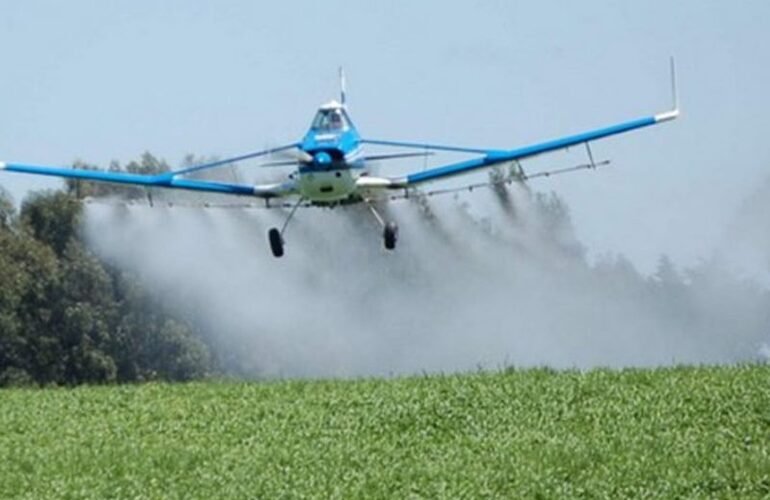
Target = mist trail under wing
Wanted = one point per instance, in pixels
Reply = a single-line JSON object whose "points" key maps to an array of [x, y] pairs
{"points": [[483, 281]]}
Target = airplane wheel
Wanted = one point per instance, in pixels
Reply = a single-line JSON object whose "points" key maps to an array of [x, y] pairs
{"points": [[390, 235], [276, 242]]}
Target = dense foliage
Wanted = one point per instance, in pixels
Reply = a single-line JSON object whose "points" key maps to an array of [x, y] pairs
{"points": [[67, 317], [666, 433]]}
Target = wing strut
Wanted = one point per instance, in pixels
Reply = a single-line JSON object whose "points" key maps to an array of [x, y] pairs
{"points": [[590, 155]]}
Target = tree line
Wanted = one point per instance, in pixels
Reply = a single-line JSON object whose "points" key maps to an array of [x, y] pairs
{"points": [[67, 316]]}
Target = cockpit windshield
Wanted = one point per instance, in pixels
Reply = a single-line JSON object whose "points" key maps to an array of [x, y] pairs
{"points": [[330, 120]]}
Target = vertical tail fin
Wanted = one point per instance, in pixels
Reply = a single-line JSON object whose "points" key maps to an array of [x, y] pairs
{"points": [[342, 86]]}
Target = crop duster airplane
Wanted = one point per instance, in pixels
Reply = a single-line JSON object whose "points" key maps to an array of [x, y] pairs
{"points": [[333, 169]]}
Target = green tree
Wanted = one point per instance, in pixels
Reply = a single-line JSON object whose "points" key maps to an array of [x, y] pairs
{"points": [[7, 210], [148, 165], [68, 318], [52, 217], [29, 275], [85, 313]]}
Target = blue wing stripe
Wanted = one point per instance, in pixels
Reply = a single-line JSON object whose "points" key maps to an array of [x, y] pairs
{"points": [[90, 175], [495, 157], [212, 187], [133, 179]]}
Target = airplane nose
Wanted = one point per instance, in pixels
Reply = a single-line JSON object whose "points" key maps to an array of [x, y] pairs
{"points": [[322, 158]]}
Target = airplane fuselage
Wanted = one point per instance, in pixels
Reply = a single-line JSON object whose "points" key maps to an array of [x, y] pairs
{"points": [[333, 151]]}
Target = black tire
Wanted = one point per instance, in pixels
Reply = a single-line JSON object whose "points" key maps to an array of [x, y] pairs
{"points": [[390, 235], [276, 242]]}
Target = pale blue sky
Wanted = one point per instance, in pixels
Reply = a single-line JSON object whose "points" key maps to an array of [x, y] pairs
{"points": [[102, 80]]}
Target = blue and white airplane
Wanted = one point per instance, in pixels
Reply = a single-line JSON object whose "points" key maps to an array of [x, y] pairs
{"points": [[333, 169]]}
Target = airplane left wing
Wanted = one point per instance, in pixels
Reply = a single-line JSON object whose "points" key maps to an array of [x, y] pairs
{"points": [[161, 180], [170, 180]]}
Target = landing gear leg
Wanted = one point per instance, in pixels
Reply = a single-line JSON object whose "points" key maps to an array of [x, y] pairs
{"points": [[389, 229], [275, 236]]}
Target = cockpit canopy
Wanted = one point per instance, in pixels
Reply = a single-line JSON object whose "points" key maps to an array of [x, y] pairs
{"points": [[330, 119]]}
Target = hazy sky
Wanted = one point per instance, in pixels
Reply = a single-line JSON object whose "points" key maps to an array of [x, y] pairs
{"points": [[102, 80]]}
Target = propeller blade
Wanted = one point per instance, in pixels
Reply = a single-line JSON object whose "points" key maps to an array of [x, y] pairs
{"points": [[282, 163], [294, 155]]}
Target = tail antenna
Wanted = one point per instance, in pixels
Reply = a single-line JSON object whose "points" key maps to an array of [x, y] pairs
{"points": [[342, 86], [674, 93]]}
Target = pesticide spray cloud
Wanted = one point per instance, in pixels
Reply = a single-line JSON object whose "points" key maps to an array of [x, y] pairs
{"points": [[490, 280]]}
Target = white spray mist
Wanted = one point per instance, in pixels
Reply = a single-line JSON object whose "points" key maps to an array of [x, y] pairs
{"points": [[483, 281]]}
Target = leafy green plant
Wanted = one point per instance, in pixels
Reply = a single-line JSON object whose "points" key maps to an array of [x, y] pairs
{"points": [[676, 432]]}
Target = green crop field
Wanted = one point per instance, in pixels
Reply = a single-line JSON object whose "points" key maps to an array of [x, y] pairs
{"points": [[678, 432]]}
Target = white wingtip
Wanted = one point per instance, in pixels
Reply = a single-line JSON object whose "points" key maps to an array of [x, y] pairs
{"points": [[667, 116], [2, 165], [674, 113]]}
